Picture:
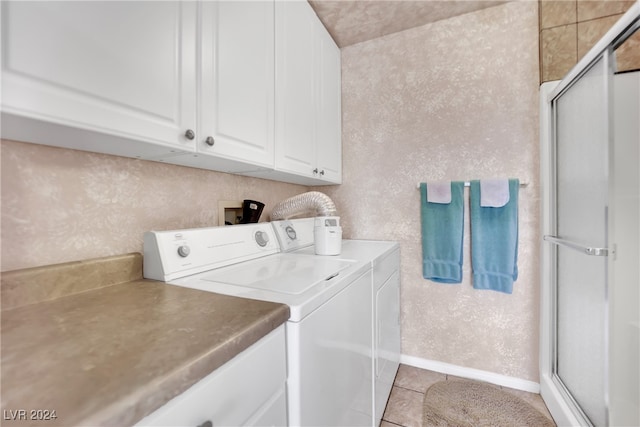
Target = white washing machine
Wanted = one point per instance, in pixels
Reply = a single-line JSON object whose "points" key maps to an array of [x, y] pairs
{"points": [[296, 237], [329, 334]]}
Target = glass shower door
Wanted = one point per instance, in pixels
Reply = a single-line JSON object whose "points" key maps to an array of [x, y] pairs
{"points": [[581, 189]]}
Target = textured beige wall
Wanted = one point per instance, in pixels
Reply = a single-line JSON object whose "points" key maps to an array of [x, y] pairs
{"points": [[63, 205], [456, 99]]}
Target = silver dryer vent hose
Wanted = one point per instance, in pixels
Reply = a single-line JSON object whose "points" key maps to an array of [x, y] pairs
{"points": [[312, 201]]}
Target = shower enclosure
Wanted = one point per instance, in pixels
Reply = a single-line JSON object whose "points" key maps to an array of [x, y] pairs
{"points": [[590, 137]]}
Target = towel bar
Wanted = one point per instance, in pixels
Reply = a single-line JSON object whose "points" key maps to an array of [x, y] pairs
{"points": [[468, 184], [576, 246]]}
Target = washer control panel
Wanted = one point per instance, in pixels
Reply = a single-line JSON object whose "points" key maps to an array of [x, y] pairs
{"points": [[169, 255]]}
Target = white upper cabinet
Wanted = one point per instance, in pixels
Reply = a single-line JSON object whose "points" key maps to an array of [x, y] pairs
{"points": [[235, 87], [295, 86], [237, 79], [308, 97], [97, 75], [329, 109], [247, 87]]}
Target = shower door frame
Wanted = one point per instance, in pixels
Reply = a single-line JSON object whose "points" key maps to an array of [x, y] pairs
{"points": [[561, 404]]}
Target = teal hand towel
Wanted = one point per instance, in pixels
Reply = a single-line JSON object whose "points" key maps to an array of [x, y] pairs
{"points": [[442, 230], [494, 241]]}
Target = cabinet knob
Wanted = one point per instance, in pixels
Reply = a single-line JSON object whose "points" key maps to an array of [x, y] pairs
{"points": [[190, 134], [207, 423], [210, 141], [315, 171], [322, 172]]}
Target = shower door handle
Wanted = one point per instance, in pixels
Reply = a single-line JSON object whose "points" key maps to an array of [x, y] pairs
{"points": [[576, 246]]}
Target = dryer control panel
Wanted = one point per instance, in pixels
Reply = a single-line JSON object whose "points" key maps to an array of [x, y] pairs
{"points": [[294, 233]]}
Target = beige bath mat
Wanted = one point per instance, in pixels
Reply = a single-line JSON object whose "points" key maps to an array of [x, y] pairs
{"points": [[467, 403]]}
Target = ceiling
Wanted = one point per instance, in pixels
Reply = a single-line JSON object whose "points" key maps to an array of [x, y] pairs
{"points": [[355, 21]]}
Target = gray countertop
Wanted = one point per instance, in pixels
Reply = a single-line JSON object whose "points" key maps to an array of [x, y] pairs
{"points": [[114, 353]]}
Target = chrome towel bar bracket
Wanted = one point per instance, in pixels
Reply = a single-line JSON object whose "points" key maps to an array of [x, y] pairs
{"points": [[576, 246]]}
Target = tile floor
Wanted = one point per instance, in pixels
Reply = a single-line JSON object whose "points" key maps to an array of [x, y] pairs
{"points": [[404, 407]]}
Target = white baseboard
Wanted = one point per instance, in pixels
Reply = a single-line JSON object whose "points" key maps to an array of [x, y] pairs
{"points": [[474, 374]]}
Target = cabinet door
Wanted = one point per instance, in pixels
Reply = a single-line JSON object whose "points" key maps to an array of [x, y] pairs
{"points": [[329, 108], [125, 69], [295, 87], [237, 81]]}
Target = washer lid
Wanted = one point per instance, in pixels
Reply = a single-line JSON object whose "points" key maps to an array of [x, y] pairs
{"points": [[291, 275]]}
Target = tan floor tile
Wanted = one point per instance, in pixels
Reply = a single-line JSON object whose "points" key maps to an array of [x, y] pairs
{"points": [[387, 424], [453, 377], [404, 408], [417, 379]]}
